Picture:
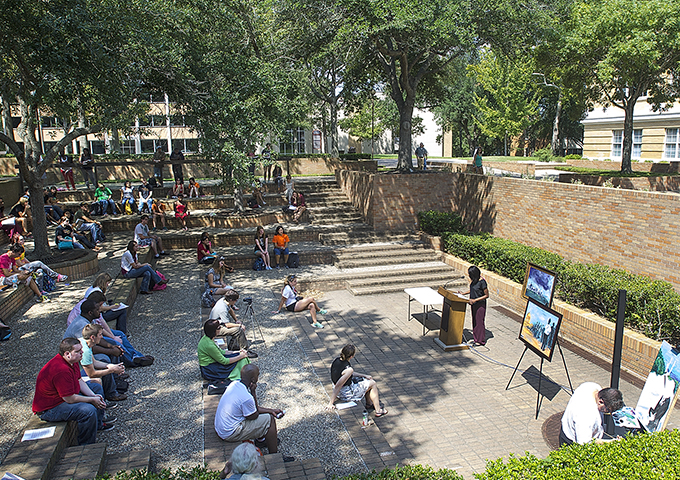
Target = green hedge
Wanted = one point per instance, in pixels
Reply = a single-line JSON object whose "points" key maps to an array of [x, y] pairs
{"points": [[408, 472], [355, 156], [639, 457], [653, 306], [437, 223]]}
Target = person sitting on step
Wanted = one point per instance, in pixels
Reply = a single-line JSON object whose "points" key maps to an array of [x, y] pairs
{"points": [[297, 303], [280, 242], [218, 365], [204, 251], [11, 275], [131, 268], [98, 367], [144, 238], [350, 386]]}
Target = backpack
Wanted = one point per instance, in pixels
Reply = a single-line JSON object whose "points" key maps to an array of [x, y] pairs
{"points": [[258, 264], [293, 260], [207, 300]]}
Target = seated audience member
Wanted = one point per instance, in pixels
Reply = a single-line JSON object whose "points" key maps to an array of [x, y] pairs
{"points": [[158, 208], [108, 312], [127, 197], [53, 212], [144, 238], [244, 461], [239, 417], [67, 239], [131, 268], [300, 206], [280, 241], [583, 419], [290, 185], [257, 194], [84, 223], [262, 247], [61, 394], [177, 188], [24, 265], [115, 343], [216, 364], [216, 277], [204, 251], [232, 328], [102, 195], [5, 332], [145, 196], [350, 386], [297, 303], [99, 366], [194, 187], [19, 217], [181, 210], [11, 275]]}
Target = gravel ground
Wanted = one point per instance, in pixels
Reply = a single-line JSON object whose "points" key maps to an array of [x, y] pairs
{"points": [[164, 408]]}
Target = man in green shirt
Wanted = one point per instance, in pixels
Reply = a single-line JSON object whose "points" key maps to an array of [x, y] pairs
{"points": [[103, 196], [216, 364]]}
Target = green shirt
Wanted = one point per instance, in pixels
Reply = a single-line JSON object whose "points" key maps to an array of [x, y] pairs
{"points": [[102, 193], [209, 352]]}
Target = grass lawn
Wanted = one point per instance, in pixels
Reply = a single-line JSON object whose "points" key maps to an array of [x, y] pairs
{"points": [[614, 173]]}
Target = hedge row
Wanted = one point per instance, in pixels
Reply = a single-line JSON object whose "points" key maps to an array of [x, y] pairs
{"points": [[437, 223], [653, 306]]}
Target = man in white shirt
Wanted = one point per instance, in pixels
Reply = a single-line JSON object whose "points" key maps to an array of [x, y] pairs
{"points": [[230, 327], [238, 416], [582, 421], [144, 238]]}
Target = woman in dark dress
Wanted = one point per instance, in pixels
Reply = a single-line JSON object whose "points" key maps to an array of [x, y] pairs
{"points": [[479, 292]]}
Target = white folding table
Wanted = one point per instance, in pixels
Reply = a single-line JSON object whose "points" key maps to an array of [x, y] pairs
{"points": [[427, 297]]}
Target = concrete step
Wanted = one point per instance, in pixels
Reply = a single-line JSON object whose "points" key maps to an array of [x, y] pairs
{"points": [[397, 287], [366, 236], [81, 462], [309, 469], [425, 276], [333, 219], [382, 248], [387, 259], [128, 461]]}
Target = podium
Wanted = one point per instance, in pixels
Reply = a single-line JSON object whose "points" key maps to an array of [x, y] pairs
{"points": [[453, 321]]}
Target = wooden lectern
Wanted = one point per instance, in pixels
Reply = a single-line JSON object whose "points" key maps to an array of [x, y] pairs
{"points": [[453, 321]]}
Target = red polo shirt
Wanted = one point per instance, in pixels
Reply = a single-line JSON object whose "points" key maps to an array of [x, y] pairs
{"points": [[56, 380]]}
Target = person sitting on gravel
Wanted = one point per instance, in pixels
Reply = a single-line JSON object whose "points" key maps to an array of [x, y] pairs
{"points": [[216, 277], [239, 417], [216, 364], [297, 303], [144, 238], [131, 268], [280, 242], [99, 366], [204, 251], [11, 275], [232, 328], [243, 464], [61, 394], [115, 343], [350, 386]]}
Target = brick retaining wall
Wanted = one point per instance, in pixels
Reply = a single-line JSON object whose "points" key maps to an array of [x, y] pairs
{"points": [[633, 230], [654, 184]]}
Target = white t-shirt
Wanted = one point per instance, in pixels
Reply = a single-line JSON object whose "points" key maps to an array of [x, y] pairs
{"points": [[235, 405], [582, 421], [126, 261], [141, 229], [289, 294], [220, 311]]}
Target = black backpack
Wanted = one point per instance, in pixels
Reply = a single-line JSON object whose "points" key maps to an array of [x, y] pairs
{"points": [[293, 260], [258, 264]]}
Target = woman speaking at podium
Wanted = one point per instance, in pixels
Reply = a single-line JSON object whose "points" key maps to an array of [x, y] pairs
{"points": [[479, 292]]}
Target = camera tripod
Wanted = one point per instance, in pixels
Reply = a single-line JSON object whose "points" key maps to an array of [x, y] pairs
{"points": [[250, 313]]}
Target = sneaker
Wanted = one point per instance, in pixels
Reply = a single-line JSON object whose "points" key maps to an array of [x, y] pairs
{"points": [[156, 256], [5, 333], [42, 298], [107, 426], [124, 376], [323, 311], [252, 354], [110, 419], [163, 253], [286, 266], [111, 405], [317, 325], [118, 397], [287, 459], [268, 268], [144, 361], [62, 278]]}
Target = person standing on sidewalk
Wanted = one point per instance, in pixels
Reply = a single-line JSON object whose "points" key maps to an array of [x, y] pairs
{"points": [[421, 155], [158, 164], [87, 166], [177, 160], [479, 292]]}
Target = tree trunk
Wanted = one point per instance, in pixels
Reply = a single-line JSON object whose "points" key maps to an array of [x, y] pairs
{"points": [[115, 141], [239, 203], [405, 159], [555, 143], [333, 120], [626, 166]]}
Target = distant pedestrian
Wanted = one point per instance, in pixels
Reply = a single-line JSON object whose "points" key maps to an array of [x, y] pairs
{"points": [[158, 163], [87, 167], [177, 160], [421, 155], [477, 161], [267, 162]]}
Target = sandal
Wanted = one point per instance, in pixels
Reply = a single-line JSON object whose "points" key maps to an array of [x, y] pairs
{"points": [[382, 413]]}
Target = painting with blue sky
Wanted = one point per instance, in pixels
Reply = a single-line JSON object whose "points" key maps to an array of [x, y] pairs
{"points": [[539, 328], [539, 284]]}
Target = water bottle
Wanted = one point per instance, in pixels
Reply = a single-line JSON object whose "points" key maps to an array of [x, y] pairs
{"points": [[364, 420], [15, 283]]}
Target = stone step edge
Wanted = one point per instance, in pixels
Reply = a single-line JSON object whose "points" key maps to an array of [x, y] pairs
{"points": [[393, 260], [359, 274], [393, 288], [406, 279]]}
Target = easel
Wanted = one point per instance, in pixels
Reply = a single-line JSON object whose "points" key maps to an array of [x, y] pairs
{"points": [[540, 375]]}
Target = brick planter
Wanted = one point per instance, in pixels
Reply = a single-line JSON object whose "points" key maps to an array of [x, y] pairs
{"points": [[79, 268]]}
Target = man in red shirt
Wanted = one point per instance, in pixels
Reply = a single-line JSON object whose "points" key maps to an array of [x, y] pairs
{"points": [[62, 395]]}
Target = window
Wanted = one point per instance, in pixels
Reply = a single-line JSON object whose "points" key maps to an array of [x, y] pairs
{"points": [[159, 120], [617, 143], [637, 144], [49, 122], [671, 144], [293, 141], [128, 146], [97, 147]]}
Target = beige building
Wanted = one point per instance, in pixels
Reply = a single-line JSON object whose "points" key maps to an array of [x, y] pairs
{"points": [[656, 135]]}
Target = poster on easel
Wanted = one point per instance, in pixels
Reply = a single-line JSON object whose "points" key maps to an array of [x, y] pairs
{"points": [[539, 329], [539, 285], [660, 392]]}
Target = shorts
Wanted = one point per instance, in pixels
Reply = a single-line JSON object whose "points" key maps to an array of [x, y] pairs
{"points": [[251, 429], [291, 307], [144, 242], [12, 279], [281, 251], [354, 392]]}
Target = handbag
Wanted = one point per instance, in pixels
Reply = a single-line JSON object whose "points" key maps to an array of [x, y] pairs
{"points": [[66, 245]]}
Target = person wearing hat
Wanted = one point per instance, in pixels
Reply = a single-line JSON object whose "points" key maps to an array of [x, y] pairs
{"points": [[583, 419]]}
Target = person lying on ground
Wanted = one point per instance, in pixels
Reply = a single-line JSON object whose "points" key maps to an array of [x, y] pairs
{"points": [[350, 386]]}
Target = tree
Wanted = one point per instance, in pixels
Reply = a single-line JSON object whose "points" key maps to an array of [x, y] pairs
{"points": [[622, 50], [508, 102], [81, 60], [410, 44]]}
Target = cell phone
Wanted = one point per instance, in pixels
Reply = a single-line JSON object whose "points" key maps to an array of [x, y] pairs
{"points": [[281, 414]]}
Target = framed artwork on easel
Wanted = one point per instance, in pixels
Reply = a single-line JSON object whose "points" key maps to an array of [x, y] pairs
{"points": [[539, 285]]}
